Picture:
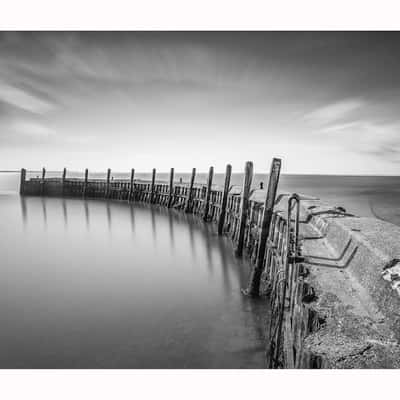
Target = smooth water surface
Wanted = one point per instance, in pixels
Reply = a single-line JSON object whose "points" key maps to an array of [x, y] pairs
{"points": [[95, 284]]}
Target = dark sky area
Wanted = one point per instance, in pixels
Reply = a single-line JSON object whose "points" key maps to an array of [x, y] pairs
{"points": [[326, 102]]}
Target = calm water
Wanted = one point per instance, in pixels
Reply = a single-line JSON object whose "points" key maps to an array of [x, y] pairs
{"points": [[105, 285]]}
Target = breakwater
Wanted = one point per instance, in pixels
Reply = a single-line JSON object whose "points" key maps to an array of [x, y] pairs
{"points": [[316, 263]]}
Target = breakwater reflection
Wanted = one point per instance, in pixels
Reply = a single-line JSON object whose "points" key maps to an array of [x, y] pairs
{"points": [[96, 284]]}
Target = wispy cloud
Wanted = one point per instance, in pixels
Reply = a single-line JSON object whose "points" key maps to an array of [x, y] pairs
{"points": [[358, 126], [33, 129], [132, 90], [23, 99], [366, 136], [333, 112]]}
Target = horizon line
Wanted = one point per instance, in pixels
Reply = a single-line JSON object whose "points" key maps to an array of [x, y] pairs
{"points": [[205, 172]]}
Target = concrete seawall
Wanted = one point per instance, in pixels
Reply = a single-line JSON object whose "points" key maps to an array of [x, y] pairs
{"points": [[349, 315]]}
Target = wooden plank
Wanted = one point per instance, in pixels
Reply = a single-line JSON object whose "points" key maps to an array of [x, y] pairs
{"points": [[153, 180], [64, 175], [107, 192], [208, 194], [171, 188], [255, 276], [222, 215], [22, 181], [132, 185], [288, 354], [244, 205], [188, 204], [42, 181], [85, 182]]}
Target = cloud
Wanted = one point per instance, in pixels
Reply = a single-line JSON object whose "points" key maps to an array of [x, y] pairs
{"points": [[32, 129], [365, 136], [334, 112], [24, 100], [359, 127]]}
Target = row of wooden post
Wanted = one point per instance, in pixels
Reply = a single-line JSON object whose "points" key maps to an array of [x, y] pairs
{"points": [[254, 282]]}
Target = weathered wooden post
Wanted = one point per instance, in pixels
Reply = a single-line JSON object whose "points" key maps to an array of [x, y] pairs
{"points": [[189, 196], [132, 185], [85, 182], [22, 181], [253, 288], [64, 175], [42, 181], [244, 205], [107, 193], [171, 188], [153, 181], [222, 214], [208, 194]]}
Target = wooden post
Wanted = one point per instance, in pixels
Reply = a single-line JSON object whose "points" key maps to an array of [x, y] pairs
{"points": [[222, 214], [132, 187], [22, 181], [208, 194], [171, 188], [85, 182], [244, 205], [189, 196], [107, 193], [153, 181], [42, 181], [64, 175], [255, 277]]}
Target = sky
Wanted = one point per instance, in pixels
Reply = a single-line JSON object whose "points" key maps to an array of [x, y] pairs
{"points": [[324, 102]]}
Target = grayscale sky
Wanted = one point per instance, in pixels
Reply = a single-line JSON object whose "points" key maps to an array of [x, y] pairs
{"points": [[324, 102]]}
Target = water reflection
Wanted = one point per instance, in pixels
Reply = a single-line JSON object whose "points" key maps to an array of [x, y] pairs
{"points": [[24, 210], [87, 217], [190, 224], [132, 219], [44, 209], [109, 221], [207, 238], [224, 265], [171, 230], [153, 225], [102, 304], [65, 213]]}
